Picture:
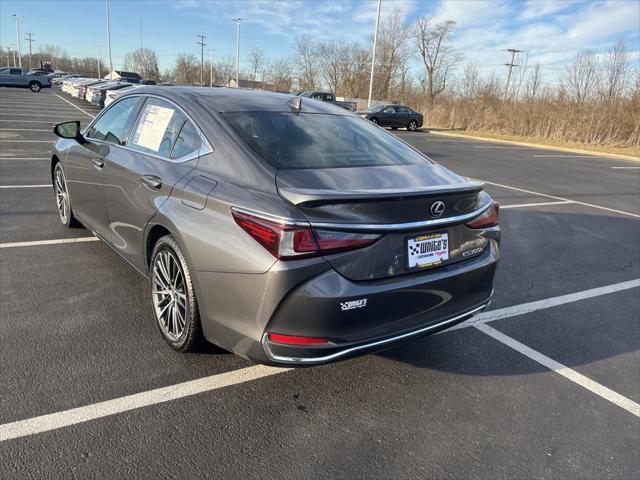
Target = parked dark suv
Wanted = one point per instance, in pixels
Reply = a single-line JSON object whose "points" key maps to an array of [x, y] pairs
{"points": [[394, 116]]}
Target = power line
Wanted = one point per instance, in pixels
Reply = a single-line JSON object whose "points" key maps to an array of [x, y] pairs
{"points": [[200, 42], [510, 65], [29, 38]]}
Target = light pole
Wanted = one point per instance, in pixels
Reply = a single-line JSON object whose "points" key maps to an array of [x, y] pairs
{"points": [[373, 55], [238, 20], [211, 67], [98, 58], [109, 39], [12, 49], [18, 36]]}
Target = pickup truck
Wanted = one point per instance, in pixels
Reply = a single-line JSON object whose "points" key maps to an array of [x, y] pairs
{"points": [[331, 98], [15, 77]]}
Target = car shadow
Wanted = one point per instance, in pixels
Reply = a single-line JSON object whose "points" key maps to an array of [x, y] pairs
{"points": [[547, 253]]}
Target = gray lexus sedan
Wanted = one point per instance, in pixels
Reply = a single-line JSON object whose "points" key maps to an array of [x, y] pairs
{"points": [[286, 230]]}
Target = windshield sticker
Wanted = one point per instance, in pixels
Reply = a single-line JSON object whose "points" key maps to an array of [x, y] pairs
{"points": [[152, 127]]}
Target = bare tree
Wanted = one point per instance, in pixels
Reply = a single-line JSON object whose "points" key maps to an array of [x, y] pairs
{"points": [[226, 69], [615, 71], [437, 55], [470, 83], [256, 62], [279, 74], [306, 63], [392, 45], [186, 69], [533, 83], [580, 77], [143, 61]]}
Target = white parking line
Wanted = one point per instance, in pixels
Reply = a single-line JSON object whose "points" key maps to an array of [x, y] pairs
{"points": [[626, 168], [562, 156], [26, 130], [524, 308], [496, 146], [539, 204], [27, 141], [568, 373], [53, 421], [564, 199], [48, 242], [25, 186], [14, 120], [74, 416], [25, 158], [74, 106], [71, 114]]}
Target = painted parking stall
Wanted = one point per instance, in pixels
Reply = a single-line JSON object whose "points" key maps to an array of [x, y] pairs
{"points": [[536, 386]]}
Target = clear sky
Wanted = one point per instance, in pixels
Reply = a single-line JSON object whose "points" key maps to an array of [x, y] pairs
{"points": [[550, 30]]}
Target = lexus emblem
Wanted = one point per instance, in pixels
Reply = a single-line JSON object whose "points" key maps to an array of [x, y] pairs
{"points": [[437, 209]]}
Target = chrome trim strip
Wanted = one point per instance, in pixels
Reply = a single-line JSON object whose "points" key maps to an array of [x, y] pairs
{"points": [[382, 227], [369, 227], [333, 356]]}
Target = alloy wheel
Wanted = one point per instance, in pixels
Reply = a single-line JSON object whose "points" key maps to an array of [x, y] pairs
{"points": [[169, 294], [62, 197], [412, 126]]}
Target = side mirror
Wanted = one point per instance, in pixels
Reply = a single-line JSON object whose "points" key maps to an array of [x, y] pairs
{"points": [[69, 130]]}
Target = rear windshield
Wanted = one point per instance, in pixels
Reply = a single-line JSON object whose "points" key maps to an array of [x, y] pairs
{"points": [[290, 141]]}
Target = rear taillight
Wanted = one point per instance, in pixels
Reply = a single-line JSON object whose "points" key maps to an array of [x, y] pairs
{"points": [[488, 219], [288, 242]]}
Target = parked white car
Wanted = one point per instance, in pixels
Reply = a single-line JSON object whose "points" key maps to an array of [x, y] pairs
{"points": [[112, 95]]}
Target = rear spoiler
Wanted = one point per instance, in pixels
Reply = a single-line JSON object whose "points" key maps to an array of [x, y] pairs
{"points": [[306, 197]]}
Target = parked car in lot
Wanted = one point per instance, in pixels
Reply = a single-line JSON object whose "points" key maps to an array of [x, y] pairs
{"points": [[68, 84], [330, 98], [97, 94], [288, 231], [16, 77], [80, 89], [112, 94], [394, 116]]}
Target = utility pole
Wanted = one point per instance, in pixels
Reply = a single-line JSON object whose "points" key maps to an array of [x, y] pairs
{"points": [[109, 38], [211, 67], [13, 53], [18, 37], [510, 65], [238, 20], [30, 39], [202, 45], [98, 58], [373, 55]]}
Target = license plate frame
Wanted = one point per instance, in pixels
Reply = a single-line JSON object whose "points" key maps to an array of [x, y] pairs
{"points": [[437, 256]]}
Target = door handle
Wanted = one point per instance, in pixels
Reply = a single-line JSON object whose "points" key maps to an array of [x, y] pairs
{"points": [[151, 181], [97, 162]]}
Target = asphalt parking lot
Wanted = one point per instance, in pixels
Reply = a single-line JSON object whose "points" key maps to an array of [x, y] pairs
{"points": [[546, 384]]}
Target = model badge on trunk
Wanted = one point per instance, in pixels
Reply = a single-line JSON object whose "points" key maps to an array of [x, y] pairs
{"points": [[437, 208]]}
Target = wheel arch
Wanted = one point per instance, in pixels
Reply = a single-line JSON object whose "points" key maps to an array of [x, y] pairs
{"points": [[155, 233], [54, 161]]}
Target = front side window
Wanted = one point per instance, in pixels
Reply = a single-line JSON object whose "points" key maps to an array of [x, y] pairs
{"points": [[306, 140], [157, 127], [389, 110], [113, 125]]}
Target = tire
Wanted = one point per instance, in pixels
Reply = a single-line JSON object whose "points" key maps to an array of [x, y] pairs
{"points": [[413, 126], [63, 201], [374, 120], [35, 86], [173, 297]]}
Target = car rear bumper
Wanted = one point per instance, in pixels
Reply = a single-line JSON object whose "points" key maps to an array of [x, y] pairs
{"points": [[383, 312]]}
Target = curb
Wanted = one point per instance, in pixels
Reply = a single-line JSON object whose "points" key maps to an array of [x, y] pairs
{"points": [[538, 145]]}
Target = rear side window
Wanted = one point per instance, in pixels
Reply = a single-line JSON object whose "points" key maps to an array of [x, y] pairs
{"points": [[188, 141], [295, 141], [113, 125], [157, 128]]}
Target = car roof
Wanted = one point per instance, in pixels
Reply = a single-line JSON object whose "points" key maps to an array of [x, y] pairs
{"points": [[223, 100]]}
